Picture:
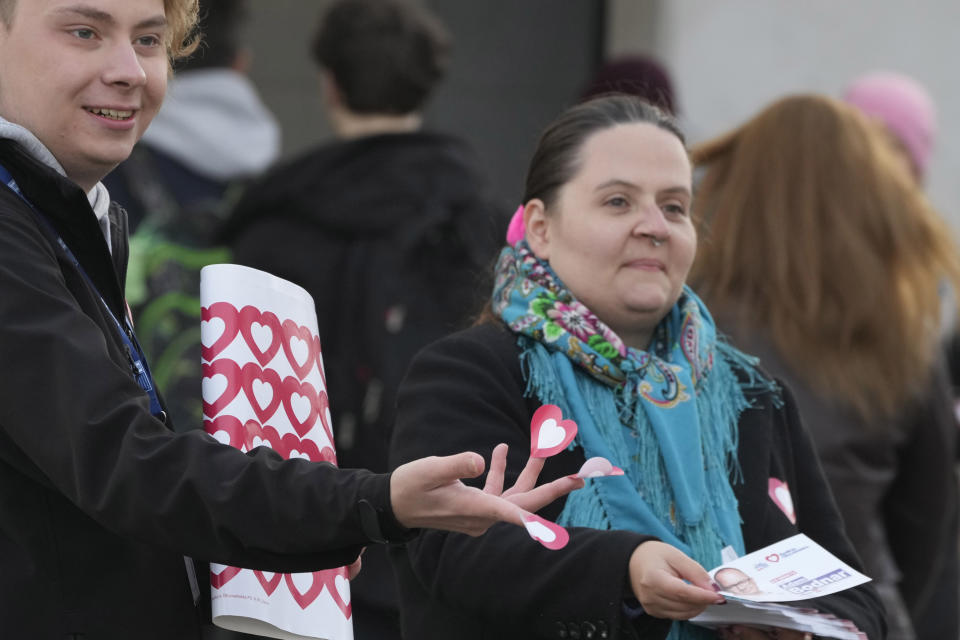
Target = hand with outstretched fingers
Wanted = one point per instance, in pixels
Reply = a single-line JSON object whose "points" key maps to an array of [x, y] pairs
{"points": [[428, 493]]}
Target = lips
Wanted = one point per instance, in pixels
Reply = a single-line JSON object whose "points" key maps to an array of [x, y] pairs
{"points": [[648, 264]]}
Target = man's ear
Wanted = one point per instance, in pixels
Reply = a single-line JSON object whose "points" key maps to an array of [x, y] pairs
{"points": [[537, 226]]}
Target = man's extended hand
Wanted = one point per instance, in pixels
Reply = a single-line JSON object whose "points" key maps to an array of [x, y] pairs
{"points": [[427, 493]]}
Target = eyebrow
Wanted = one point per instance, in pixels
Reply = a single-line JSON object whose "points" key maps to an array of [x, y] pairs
{"points": [[98, 15], [618, 182]]}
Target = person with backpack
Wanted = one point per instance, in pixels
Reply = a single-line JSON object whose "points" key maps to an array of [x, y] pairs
{"points": [[379, 227]]}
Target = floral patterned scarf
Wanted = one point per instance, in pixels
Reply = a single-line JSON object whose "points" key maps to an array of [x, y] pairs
{"points": [[667, 416]]}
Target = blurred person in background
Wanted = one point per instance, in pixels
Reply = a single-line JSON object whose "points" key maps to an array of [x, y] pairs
{"points": [[637, 75], [822, 257], [388, 228]]}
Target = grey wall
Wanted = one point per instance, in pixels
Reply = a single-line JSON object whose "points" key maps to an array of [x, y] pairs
{"points": [[516, 64]]}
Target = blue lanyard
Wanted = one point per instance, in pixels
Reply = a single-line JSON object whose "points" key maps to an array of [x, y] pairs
{"points": [[135, 356]]}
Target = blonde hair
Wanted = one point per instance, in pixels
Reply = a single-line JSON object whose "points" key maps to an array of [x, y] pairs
{"points": [[813, 229], [183, 36]]}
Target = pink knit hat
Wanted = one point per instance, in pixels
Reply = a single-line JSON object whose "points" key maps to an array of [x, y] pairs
{"points": [[903, 105]]}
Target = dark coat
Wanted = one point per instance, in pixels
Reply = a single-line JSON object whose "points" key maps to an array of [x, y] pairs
{"points": [[391, 235], [467, 392], [99, 500]]}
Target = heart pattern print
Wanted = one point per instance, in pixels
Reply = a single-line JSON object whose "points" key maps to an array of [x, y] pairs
{"points": [[264, 386]]}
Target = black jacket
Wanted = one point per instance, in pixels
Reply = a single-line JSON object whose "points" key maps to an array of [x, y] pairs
{"points": [[99, 500], [392, 235], [467, 392]]}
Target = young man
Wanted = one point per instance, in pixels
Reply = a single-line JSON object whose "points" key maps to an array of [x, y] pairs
{"points": [[99, 501]]}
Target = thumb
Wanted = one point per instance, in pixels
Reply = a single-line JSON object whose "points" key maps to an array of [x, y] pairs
{"points": [[446, 469], [690, 570]]}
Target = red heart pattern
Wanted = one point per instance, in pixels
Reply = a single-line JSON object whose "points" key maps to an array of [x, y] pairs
{"points": [[306, 598], [549, 432], [338, 584], [301, 404], [288, 445], [255, 383], [226, 313], [269, 584], [253, 325], [229, 425], [222, 578], [229, 370], [298, 346]]}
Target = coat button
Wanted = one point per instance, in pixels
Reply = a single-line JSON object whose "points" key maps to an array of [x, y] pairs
{"points": [[589, 630], [561, 631], [603, 629], [573, 631]]}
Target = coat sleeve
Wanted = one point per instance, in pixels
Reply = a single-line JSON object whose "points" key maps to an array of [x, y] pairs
{"points": [[818, 517], [466, 393], [73, 419]]}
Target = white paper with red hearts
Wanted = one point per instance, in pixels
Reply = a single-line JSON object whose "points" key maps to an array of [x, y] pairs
{"points": [[264, 385]]}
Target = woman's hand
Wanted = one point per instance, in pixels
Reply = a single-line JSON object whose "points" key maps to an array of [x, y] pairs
{"points": [[740, 632], [657, 575], [427, 493]]}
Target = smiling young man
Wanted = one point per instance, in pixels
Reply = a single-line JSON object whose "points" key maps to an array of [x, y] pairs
{"points": [[99, 500]]}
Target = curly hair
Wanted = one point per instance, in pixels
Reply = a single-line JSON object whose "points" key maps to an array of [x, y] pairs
{"points": [[183, 36], [812, 230]]}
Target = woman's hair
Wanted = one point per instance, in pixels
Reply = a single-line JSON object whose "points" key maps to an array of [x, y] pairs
{"points": [[557, 156], [385, 56], [181, 20], [813, 230]]}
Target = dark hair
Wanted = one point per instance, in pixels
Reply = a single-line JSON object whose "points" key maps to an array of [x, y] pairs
{"points": [[220, 23], [556, 158], [385, 55], [637, 75]]}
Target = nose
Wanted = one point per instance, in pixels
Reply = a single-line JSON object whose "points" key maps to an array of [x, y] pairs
{"points": [[123, 66], [652, 224]]}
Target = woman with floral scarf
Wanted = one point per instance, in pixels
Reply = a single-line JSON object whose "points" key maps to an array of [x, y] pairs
{"points": [[590, 312]]}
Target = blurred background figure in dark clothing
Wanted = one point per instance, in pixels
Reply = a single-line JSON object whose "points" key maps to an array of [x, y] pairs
{"points": [[379, 227], [636, 75]]}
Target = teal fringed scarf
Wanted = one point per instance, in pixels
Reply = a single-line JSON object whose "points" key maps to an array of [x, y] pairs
{"points": [[667, 416]]}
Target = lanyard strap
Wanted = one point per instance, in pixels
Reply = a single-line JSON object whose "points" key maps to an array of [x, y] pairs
{"points": [[135, 356]]}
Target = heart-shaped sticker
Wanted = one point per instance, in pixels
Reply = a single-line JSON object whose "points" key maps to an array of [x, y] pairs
{"points": [[262, 333], [220, 385], [549, 432], [305, 597], [269, 584], [598, 467], [219, 324], [217, 580], [547, 533], [298, 346], [780, 494], [226, 429], [262, 388]]}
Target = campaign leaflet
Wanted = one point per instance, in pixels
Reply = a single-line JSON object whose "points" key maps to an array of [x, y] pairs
{"points": [[796, 568]]}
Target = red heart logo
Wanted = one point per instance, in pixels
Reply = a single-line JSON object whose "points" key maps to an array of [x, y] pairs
{"points": [[223, 393], [338, 585], [225, 313], [298, 346], [262, 387], [269, 586], [318, 355], [305, 598], [549, 534], [261, 331], [549, 432], [773, 557], [222, 578], [301, 404], [229, 425]]}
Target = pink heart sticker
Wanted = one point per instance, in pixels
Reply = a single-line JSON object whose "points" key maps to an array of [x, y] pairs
{"points": [[298, 346], [269, 584], [597, 467], [213, 337], [217, 580], [262, 388], [307, 597], [549, 432], [220, 384], [547, 533], [262, 333], [780, 494], [227, 425], [301, 404]]}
